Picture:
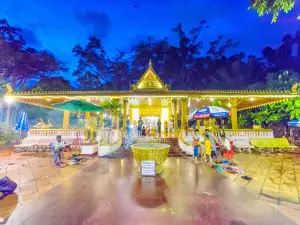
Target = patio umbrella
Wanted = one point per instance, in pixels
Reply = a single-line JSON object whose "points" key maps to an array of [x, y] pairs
{"points": [[294, 123], [78, 106], [22, 124], [211, 111]]}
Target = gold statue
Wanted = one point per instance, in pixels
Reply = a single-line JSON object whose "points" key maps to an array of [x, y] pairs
{"points": [[9, 89], [295, 88], [90, 130]]}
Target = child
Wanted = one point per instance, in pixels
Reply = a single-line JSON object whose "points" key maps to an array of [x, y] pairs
{"points": [[207, 149], [196, 143]]}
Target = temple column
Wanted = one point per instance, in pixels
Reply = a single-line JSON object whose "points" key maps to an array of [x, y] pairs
{"points": [[175, 102], [66, 120], [183, 113], [101, 120], [198, 125], [125, 103], [87, 115], [234, 118], [169, 110]]}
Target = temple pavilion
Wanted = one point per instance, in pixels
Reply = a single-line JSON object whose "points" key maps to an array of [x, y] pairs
{"points": [[150, 98]]}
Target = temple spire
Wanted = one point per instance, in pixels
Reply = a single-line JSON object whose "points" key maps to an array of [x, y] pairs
{"points": [[150, 63]]}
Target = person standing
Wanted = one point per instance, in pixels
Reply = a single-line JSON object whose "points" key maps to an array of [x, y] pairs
{"points": [[207, 153], [170, 127], [159, 127], [196, 145], [212, 143], [128, 140], [140, 126]]}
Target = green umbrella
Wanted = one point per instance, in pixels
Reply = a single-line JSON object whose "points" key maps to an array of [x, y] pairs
{"points": [[78, 106]]}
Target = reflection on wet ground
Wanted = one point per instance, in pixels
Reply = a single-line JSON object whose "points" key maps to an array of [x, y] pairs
{"points": [[110, 191]]}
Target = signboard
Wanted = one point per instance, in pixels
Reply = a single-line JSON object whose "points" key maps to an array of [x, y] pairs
{"points": [[148, 168]]}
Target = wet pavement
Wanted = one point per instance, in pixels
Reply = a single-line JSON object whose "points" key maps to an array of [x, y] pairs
{"points": [[110, 192]]}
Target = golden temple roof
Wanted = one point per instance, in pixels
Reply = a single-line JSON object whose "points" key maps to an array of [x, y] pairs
{"points": [[151, 86]]}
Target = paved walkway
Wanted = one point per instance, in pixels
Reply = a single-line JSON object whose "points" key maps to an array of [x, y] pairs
{"points": [[34, 174], [110, 192], [275, 177]]}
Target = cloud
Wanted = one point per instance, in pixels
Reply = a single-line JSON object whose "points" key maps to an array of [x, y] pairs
{"points": [[31, 38], [97, 23]]}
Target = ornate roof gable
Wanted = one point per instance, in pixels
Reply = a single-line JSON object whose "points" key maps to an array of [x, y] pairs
{"points": [[150, 81]]}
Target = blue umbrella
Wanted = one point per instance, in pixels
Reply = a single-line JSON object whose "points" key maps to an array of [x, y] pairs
{"points": [[211, 111], [22, 124], [294, 123]]}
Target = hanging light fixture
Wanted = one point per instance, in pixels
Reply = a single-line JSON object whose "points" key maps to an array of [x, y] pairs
{"points": [[211, 99], [251, 99], [150, 101], [229, 104], [189, 103]]}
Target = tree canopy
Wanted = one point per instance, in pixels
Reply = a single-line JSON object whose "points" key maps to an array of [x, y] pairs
{"points": [[20, 64], [273, 7]]}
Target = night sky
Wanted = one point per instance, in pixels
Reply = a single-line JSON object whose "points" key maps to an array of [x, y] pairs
{"points": [[57, 25]]}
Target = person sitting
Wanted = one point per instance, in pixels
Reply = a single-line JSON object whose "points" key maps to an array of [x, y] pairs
{"points": [[225, 145], [57, 149]]}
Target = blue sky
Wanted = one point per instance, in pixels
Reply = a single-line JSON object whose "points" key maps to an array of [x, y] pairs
{"points": [[57, 25]]}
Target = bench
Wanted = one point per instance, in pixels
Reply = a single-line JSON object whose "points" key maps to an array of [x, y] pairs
{"points": [[242, 144], [27, 145], [272, 143]]}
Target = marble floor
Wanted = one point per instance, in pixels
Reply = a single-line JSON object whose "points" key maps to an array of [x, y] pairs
{"points": [[110, 192]]}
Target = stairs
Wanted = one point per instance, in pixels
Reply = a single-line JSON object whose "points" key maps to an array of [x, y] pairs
{"points": [[175, 150]]}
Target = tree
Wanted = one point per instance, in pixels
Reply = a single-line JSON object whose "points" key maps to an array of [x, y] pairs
{"points": [[92, 70], [20, 64], [273, 7], [112, 106], [52, 84], [119, 72]]}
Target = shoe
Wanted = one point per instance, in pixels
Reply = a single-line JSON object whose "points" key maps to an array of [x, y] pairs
{"points": [[247, 178]]}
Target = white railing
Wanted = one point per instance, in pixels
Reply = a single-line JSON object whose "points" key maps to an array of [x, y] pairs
{"points": [[55, 132], [251, 133]]}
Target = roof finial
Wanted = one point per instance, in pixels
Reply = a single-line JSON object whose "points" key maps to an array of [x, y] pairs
{"points": [[150, 63]]}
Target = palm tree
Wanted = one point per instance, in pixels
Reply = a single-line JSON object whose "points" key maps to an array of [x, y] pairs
{"points": [[112, 106]]}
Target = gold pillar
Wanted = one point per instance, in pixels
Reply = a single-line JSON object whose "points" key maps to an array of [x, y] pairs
{"points": [[175, 102], [198, 125], [66, 120], [125, 103], [87, 115], [169, 110], [101, 120], [234, 118], [183, 113]]}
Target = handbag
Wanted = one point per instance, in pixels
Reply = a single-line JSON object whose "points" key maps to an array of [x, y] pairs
{"points": [[7, 186]]}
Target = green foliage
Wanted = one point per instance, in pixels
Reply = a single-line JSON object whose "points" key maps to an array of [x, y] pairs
{"points": [[20, 64], [274, 7], [282, 80], [111, 105]]}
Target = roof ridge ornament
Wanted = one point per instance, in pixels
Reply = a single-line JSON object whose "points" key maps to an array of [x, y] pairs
{"points": [[295, 87], [150, 63]]}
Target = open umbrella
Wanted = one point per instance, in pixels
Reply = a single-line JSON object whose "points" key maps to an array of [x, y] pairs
{"points": [[294, 123], [211, 111], [78, 106]]}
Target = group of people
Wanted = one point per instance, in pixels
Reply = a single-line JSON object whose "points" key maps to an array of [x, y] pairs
{"points": [[143, 130], [207, 148]]}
